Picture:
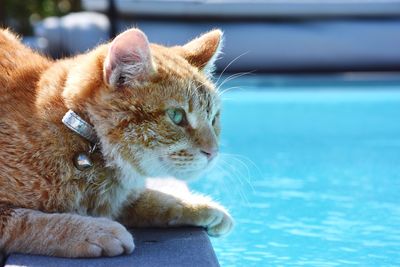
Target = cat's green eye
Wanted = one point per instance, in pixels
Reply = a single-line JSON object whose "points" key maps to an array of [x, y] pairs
{"points": [[177, 115]]}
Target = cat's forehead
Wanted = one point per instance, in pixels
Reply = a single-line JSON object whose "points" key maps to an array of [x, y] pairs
{"points": [[202, 104], [201, 96], [182, 84]]}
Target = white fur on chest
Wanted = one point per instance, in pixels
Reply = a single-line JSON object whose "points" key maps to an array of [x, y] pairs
{"points": [[131, 186], [108, 197]]}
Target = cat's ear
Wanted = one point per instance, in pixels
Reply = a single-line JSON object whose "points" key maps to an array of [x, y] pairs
{"points": [[129, 60], [203, 51]]}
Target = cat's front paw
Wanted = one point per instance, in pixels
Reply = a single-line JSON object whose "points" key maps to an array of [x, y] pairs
{"points": [[101, 237], [216, 220]]}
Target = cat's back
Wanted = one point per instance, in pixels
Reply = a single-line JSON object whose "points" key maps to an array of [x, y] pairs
{"points": [[20, 69], [24, 134]]}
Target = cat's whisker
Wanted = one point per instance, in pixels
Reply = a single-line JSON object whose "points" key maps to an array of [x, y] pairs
{"points": [[194, 91], [229, 89], [244, 158], [238, 176], [232, 170], [230, 63], [240, 162], [234, 174], [232, 77], [228, 186]]}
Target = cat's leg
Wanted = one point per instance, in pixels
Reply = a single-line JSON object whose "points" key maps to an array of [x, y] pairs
{"points": [[63, 235], [160, 209]]}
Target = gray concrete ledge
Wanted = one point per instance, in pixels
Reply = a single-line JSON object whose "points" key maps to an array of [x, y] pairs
{"points": [[154, 247]]}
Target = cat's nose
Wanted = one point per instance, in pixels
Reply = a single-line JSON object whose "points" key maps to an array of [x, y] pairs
{"points": [[210, 153]]}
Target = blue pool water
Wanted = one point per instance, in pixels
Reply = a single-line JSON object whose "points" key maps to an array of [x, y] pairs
{"points": [[315, 175]]}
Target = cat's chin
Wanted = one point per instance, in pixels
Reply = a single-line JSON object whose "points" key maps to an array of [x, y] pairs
{"points": [[189, 176]]}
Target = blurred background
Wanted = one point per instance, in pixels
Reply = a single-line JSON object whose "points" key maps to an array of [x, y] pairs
{"points": [[270, 36]]}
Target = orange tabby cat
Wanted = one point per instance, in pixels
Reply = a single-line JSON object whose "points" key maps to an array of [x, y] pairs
{"points": [[154, 113]]}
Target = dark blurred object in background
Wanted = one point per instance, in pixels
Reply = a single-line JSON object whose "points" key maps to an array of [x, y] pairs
{"points": [[20, 15], [71, 34], [285, 36]]}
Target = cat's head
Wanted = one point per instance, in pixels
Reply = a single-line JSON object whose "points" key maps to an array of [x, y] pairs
{"points": [[155, 110]]}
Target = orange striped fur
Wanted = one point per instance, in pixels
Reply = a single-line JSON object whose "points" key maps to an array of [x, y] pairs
{"points": [[123, 88]]}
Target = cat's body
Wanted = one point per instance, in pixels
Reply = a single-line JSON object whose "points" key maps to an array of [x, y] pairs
{"points": [[36, 148], [123, 89]]}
